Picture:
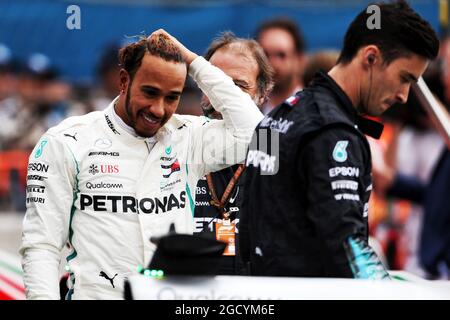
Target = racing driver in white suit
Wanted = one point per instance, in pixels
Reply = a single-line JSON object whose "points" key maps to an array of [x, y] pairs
{"points": [[105, 182]]}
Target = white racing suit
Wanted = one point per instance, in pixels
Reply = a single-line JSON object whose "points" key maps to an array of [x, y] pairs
{"points": [[102, 190]]}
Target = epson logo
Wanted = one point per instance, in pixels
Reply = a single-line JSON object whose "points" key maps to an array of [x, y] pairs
{"points": [[128, 204], [102, 185], [35, 188], [37, 166], [103, 153], [344, 171]]}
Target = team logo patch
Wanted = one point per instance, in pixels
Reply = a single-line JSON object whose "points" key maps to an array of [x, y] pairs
{"points": [[339, 152], [40, 150]]}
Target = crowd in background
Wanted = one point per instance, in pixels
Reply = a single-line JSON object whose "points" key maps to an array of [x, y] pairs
{"points": [[34, 96]]}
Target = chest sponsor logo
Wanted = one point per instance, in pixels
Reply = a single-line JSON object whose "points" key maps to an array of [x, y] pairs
{"points": [[40, 149], [35, 188], [260, 159], [344, 171], [128, 204], [103, 185], [36, 177], [281, 125], [38, 166], [339, 151], [103, 153], [103, 168], [103, 143]]}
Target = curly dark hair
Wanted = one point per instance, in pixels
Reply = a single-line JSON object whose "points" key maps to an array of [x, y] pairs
{"points": [[401, 33], [130, 56]]}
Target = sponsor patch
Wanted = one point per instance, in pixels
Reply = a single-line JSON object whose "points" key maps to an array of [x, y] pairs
{"points": [[38, 166], [35, 200], [36, 177], [103, 185], [35, 188], [170, 168], [346, 196], [344, 171], [103, 168], [344, 184], [103, 153]]}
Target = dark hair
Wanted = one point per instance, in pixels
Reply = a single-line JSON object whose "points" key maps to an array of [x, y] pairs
{"points": [[401, 33], [130, 57], [287, 25], [264, 79]]}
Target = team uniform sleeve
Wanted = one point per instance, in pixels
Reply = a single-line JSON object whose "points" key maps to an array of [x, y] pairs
{"points": [[50, 188], [336, 168], [217, 144]]}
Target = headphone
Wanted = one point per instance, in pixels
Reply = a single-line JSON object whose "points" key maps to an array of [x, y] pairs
{"points": [[371, 60]]}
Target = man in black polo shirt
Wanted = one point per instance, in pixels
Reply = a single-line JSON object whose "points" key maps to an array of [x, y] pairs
{"points": [[309, 165]]}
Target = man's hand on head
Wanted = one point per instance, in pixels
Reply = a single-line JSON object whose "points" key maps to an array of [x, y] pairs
{"points": [[188, 55]]}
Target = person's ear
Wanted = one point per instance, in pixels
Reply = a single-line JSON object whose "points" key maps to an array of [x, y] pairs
{"points": [[124, 79]]}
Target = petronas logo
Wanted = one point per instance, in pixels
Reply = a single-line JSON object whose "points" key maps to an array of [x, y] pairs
{"points": [[169, 150]]}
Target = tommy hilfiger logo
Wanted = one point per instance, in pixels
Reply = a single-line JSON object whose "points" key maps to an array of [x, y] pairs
{"points": [[170, 168]]}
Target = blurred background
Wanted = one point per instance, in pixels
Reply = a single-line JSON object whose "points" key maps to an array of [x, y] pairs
{"points": [[59, 58]]}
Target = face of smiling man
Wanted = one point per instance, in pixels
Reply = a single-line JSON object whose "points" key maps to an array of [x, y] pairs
{"points": [[152, 95]]}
